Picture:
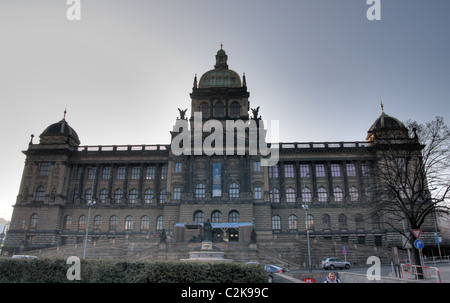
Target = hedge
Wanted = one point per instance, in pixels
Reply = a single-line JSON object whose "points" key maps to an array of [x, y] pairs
{"points": [[124, 271]]}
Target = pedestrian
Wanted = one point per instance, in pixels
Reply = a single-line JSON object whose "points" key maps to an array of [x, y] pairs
{"points": [[332, 278]]}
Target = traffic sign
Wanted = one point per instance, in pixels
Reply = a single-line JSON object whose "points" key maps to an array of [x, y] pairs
{"points": [[416, 232], [418, 244], [344, 251]]}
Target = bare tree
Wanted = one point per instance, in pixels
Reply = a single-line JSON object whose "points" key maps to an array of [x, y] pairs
{"points": [[412, 183]]}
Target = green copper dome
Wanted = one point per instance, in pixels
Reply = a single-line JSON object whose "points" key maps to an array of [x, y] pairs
{"points": [[220, 76]]}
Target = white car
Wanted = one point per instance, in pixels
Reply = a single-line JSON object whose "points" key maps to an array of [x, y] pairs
{"points": [[332, 263]]}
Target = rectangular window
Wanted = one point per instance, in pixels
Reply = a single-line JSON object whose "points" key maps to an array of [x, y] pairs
{"points": [[79, 172], [176, 193], [258, 192], [91, 172], [121, 172], [320, 170], [304, 170], [365, 170], [273, 171], [289, 170], [335, 170], [44, 169], [135, 172], [150, 174], [106, 173], [178, 167], [164, 171], [256, 166], [351, 172]]}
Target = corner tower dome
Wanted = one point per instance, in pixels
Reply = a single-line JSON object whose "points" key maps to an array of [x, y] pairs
{"points": [[60, 133], [220, 76], [386, 124]]}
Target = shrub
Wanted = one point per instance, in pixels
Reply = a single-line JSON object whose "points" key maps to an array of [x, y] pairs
{"points": [[124, 271]]}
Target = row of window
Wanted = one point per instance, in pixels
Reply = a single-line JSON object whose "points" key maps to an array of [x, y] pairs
{"points": [[219, 110], [200, 193], [129, 223], [119, 195], [320, 170], [326, 222], [121, 172], [306, 194], [216, 216]]}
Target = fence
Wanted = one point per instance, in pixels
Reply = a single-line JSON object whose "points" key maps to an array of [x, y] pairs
{"points": [[425, 272]]}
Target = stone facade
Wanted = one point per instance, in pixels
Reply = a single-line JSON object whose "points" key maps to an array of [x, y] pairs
{"points": [[146, 189]]}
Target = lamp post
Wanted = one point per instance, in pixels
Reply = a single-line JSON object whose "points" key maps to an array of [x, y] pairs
{"points": [[305, 207], [89, 203]]}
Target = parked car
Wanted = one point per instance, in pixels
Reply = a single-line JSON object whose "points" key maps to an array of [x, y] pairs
{"points": [[332, 263], [23, 257], [271, 269]]}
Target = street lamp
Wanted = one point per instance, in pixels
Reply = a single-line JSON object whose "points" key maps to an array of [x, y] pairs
{"points": [[305, 207], [89, 203]]}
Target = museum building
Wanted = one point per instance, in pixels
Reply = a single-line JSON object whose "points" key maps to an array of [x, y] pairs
{"points": [[119, 191]]}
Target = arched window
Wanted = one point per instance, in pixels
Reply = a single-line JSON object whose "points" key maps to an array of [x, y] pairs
{"points": [[204, 108], [290, 195], [293, 222], [159, 223], [306, 194], [338, 194], [129, 223], [216, 217], [103, 195], [342, 221], [354, 196], [162, 196], [82, 222], [113, 222], [148, 196], [133, 196], [199, 216], [276, 222], [145, 223], [233, 217], [274, 195], [98, 222], [235, 110], [322, 192], [219, 110], [200, 191], [67, 222], [34, 221], [326, 222], [234, 190], [310, 221], [40, 192], [118, 196]]}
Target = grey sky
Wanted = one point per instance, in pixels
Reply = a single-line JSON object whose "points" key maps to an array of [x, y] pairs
{"points": [[317, 66]]}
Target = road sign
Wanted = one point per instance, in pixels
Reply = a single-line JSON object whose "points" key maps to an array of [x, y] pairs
{"points": [[344, 251], [416, 232], [418, 244]]}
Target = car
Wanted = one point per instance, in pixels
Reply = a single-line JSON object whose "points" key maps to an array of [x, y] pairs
{"points": [[271, 269], [332, 263], [23, 257]]}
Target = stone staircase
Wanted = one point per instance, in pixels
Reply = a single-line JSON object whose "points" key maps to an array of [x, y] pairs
{"points": [[290, 253]]}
